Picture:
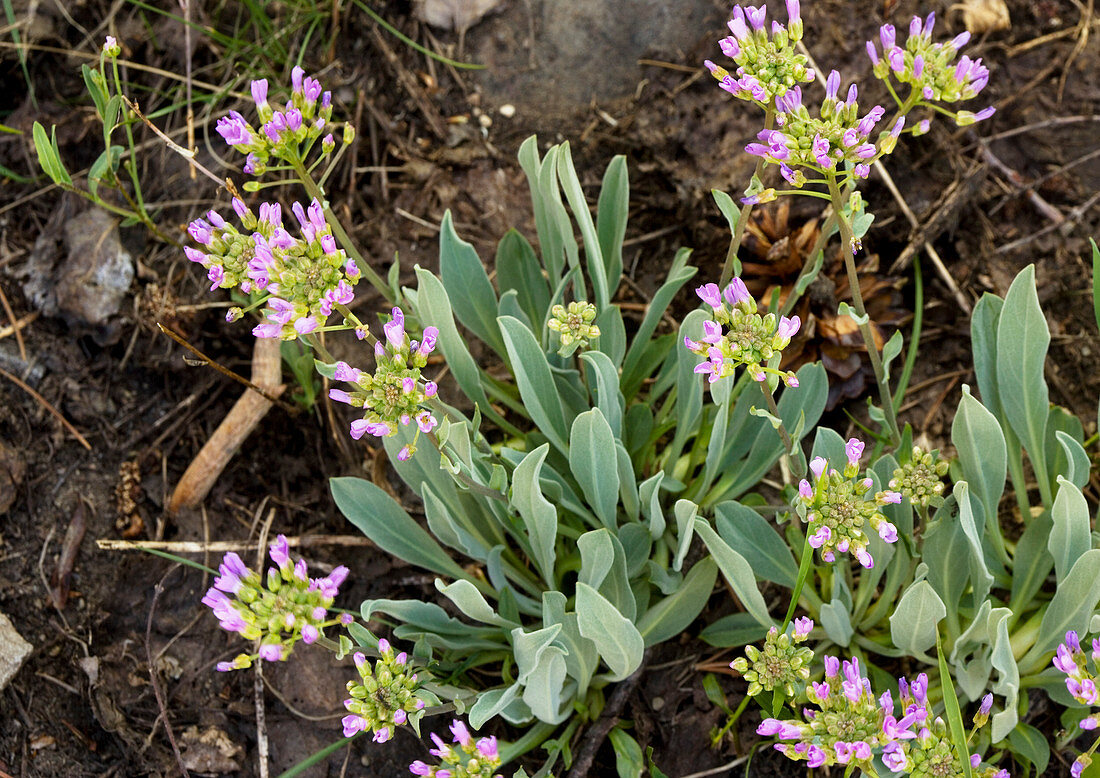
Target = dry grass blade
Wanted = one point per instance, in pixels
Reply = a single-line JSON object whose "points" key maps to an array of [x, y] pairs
{"points": [[45, 404]]}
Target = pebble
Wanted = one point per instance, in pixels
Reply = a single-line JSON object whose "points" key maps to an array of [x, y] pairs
{"points": [[13, 651]]}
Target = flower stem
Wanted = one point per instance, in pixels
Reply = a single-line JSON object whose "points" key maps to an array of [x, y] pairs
{"points": [[803, 574], [788, 444], [315, 191], [857, 299], [743, 218]]}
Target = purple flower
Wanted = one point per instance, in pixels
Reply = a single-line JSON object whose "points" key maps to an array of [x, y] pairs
{"points": [[832, 84], [891, 497], [425, 421], [794, 10], [802, 627], [296, 78], [805, 491], [756, 16], [194, 255], [853, 449], [419, 768], [271, 652], [461, 734], [347, 373], [729, 47], [259, 92], [231, 572], [234, 129], [788, 327], [818, 465], [353, 725], [201, 232], [737, 293], [1078, 767], [888, 36], [872, 52], [888, 532], [894, 757], [960, 40], [710, 294], [395, 329], [819, 538], [817, 756], [280, 551]]}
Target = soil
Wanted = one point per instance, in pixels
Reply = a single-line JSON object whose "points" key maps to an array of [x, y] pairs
{"points": [[138, 409]]}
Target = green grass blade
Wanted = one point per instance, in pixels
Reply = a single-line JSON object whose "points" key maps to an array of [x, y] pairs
{"points": [[951, 708]]}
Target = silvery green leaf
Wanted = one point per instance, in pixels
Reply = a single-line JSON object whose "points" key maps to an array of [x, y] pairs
{"points": [[470, 601], [1032, 745], [972, 672], [689, 385], [684, 511], [1032, 562], [628, 754], [509, 306], [983, 341], [983, 455], [737, 629], [582, 657], [617, 640], [1094, 625], [433, 306], [444, 526], [637, 366], [667, 581], [649, 492], [612, 210], [540, 518], [673, 614], [637, 428], [890, 352], [380, 518], [597, 270], [828, 444], [608, 397], [612, 340], [544, 686], [550, 236], [764, 413], [737, 572], [1071, 608], [528, 646], [846, 310], [636, 544], [1077, 461], [1070, 536], [764, 549], [913, 623], [720, 393], [946, 554], [591, 458], [1022, 341], [518, 268], [836, 622], [468, 286], [428, 624], [597, 556], [491, 703], [628, 483], [981, 580], [535, 382]]}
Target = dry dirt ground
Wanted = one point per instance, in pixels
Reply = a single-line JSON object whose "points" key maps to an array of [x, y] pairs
{"points": [[122, 651]]}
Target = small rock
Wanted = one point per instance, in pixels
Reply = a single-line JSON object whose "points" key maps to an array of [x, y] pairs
{"points": [[97, 273], [453, 14], [982, 16], [210, 751], [13, 651]]}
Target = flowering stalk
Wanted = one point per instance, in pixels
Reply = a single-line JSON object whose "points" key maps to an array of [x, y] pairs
{"points": [[848, 241], [471, 759], [1070, 658]]}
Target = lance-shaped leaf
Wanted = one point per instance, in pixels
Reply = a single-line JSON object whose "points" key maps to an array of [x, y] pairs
{"points": [[617, 640], [593, 461], [1071, 608], [1070, 537], [535, 382], [982, 454], [673, 614], [468, 285], [736, 571], [539, 515]]}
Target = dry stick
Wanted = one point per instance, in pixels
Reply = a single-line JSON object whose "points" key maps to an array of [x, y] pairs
{"points": [[187, 74], [597, 733], [188, 154], [11, 317], [153, 672], [13, 328], [1082, 32], [1017, 180], [221, 546], [234, 428], [42, 400]]}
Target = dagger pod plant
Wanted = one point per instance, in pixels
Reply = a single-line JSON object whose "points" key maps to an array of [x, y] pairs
{"points": [[562, 511]]}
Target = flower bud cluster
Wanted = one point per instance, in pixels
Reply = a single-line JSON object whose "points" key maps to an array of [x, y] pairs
{"points": [[920, 480], [929, 68], [1081, 682], [279, 610], [737, 335], [823, 143], [851, 725], [386, 696], [471, 759], [573, 325], [305, 278], [282, 133], [767, 63], [393, 394], [782, 664], [837, 505]]}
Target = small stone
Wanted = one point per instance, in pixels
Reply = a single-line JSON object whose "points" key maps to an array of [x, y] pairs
{"points": [[13, 651], [507, 110]]}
